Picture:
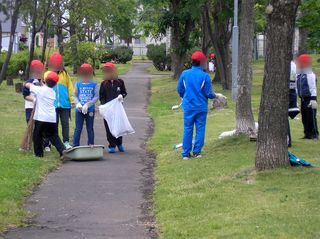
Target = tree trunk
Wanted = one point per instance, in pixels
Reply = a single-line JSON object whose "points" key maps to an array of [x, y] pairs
{"points": [[244, 116], [272, 148], [45, 41], [31, 52], [220, 36], [74, 49], [303, 37], [180, 34], [0, 36], [14, 20]]}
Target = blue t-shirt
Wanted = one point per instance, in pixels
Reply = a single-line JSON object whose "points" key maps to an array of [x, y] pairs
{"points": [[86, 94]]}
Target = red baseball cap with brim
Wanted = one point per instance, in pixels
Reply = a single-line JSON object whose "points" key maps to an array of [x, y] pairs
{"points": [[56, 60], [86, 69], [304, 60], [52, 76], [109, 66], [36, 65], [198, 56]]}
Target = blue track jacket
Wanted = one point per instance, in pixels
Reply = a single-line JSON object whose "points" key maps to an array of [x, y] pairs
{"points": [[194, 86]]}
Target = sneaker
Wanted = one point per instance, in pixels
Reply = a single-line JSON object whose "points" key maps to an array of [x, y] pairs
{"points": [[121, 148], [112, 150], [186, 157], [67, 145], [197, 155], [47, 149]]}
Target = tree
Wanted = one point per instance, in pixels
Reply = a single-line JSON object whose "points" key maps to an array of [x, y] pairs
{"points": [[244, 116], [14, 8], [309, 25], [218, 18], [272, 148], [180, 18], [36, 12]]}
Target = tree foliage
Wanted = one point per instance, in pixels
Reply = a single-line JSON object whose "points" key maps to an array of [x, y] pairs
{"points": [[311, 21]]}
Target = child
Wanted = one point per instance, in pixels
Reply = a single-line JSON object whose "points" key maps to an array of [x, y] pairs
{"points": [[36, 77], [86, 94], [212, 63], [36, 74], [307, 91], [64, 90], [45, 115], [111, 88]]}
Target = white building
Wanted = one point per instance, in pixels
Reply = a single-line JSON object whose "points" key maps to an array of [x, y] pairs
{"points": [[6, 28]]}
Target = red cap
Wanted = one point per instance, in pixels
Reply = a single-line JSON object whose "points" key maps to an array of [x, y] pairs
{"points": [[212, 56], [56, 60], [36, 65], [304, 60], [86, 68], [198, 56], [109, 65], [52, 76]]}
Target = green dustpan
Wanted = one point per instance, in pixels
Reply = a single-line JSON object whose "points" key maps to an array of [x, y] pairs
{"points": [[83, 153]]}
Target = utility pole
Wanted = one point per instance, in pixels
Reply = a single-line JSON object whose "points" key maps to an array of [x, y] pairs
{"points": [[235, 51]]}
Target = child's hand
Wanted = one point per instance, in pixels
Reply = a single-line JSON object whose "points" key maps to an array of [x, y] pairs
{"points": [[79, 106], [313, 104], [85, 109]]}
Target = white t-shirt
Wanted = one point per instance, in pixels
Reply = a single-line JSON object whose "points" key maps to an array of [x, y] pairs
{"points": [[45, 110]]}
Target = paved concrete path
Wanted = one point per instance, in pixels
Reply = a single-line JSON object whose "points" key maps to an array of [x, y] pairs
{"points": [[101, 199]]}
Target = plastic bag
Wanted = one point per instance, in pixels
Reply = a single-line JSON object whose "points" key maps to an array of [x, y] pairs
{"points": [[116, 117]]}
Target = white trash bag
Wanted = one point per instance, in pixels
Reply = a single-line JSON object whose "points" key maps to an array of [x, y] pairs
{"points": [[116, 117]]}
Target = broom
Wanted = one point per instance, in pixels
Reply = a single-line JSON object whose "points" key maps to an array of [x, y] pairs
{"points": [[26, 143]]}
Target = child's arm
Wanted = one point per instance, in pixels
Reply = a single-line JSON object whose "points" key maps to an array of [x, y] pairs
{"points": [[76, 93], [70, 88], [102, 96], [312, 82], [123, 89], [95, 98]]}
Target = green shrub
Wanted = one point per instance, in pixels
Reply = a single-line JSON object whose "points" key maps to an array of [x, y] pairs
{"points": [[122, 54], [157, 54]]}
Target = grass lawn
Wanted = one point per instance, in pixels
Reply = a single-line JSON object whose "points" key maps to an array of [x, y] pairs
{"points": [[221, 195], [20, 172]]}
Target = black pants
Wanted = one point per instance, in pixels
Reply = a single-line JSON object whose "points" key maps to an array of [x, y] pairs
{"points": [[49, 131], [113, 141], [64, 116], [289, 135], [309, 119]]}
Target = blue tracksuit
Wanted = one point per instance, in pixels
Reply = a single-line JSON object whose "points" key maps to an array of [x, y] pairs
{"points": [[195, 88]]}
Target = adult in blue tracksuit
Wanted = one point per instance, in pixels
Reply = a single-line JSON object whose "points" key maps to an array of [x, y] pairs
{"points": [[195, 88]]}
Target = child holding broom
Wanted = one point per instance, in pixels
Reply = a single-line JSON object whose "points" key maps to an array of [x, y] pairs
{"points": [[45, 114], [64, 90], [86, 94]]}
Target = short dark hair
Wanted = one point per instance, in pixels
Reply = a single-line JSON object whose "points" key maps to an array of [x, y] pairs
{"points": [[51, 83], [196, 63]]}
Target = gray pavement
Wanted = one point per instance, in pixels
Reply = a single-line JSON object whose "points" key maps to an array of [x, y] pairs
{"points": [[98, 199]]}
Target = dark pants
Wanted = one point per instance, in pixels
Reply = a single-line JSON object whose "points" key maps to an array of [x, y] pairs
{"points": [[309, 120], [64, 116], [113, 141], [80, 118], [49, 131], [289, 135], [46, 142], [28, 115]]}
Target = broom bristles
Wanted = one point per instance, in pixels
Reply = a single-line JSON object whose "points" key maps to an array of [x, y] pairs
{"points": [[26, 143]]}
